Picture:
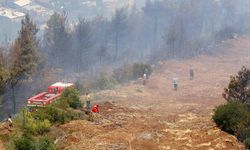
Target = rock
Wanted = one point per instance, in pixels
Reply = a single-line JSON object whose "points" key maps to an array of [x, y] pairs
{"points": [[220, 146], [204, 144], [146, 136]]}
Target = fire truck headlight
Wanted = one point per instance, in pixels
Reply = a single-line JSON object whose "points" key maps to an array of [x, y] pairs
{"points": [[29, 102], [44, 103]]}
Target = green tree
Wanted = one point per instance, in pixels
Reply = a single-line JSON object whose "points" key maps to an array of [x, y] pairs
{"points": [[72, 97], [4, 73], [23, 55], [46, 144], [238, 88]]}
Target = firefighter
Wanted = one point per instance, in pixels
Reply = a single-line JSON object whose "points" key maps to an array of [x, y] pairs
{"points": [[175, 83], [144, 78], [95, 109], [87, 100], [10, 121], [146, 72], [191, 73]]}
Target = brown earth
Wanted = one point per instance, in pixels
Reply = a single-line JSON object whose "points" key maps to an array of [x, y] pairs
{"points": [[155, 117], [4, 130]]}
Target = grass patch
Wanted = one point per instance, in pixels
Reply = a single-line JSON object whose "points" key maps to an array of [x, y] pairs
{"points": [[139, 90]]}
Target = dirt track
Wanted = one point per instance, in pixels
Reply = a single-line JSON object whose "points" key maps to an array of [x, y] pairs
{"points": [[156, 117]]}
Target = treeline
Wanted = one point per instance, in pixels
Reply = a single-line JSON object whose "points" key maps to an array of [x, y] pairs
{"points": [[162, 29], [165, 29]]}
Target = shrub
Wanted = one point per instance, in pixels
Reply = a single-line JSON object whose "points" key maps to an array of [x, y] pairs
{"points": [[247, 143], [65, 116], [140, 68], [25, 143], [50, 113], [25, 121], [229, 116], [131, 72], [46, 144], [43, 126], [242, 132], [243, 129], [104, 82], [123, 74], [72, 97], [54, 114]]}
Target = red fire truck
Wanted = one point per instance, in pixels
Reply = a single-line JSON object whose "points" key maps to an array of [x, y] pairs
{"points": [[45, 98]]}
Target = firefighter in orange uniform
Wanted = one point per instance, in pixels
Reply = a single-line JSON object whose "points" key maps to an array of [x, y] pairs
{"points": [[95, 109]]}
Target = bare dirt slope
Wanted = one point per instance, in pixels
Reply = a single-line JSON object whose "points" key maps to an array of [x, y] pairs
{"points": [[156, 117]]}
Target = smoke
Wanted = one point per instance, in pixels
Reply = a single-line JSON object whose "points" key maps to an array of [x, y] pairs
{"points": [[168, 29]]}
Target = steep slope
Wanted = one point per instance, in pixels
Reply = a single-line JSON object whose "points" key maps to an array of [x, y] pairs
{"points": [[156, 117]]}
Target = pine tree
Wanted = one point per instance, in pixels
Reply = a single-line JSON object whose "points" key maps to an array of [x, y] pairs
{"points": [[118, 28], [238, 88], [23, 55], [84, 41], [4, 73]]}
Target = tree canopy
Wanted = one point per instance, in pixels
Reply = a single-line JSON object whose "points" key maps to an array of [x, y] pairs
{"points": [[239, 87]]}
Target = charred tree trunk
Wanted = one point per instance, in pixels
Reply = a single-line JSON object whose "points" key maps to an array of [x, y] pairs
{"points": [[116, 45], [155, 31], [13, 98], [80, 61]]}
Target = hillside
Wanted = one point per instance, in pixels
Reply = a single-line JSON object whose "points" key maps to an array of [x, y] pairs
{"points": [[156, 117]]}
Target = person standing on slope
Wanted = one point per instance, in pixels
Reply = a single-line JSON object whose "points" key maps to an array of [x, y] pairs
{"points": [[175, 83], [10, 121], [87, 100], [191, 73]]}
